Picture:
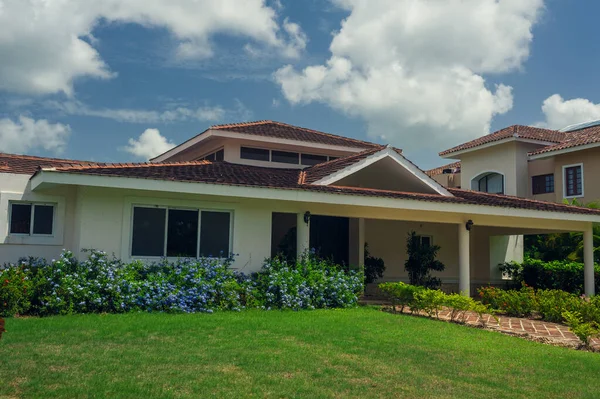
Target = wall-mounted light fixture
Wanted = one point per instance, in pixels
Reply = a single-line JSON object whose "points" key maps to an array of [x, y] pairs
{"points": [[307, 217], [469, 225]]}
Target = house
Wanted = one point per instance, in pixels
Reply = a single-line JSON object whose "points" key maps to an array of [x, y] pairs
{"points": [[529, 162], [256, 189]]}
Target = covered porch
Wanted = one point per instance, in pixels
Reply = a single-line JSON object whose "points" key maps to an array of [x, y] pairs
{"points": [[472, 246]]}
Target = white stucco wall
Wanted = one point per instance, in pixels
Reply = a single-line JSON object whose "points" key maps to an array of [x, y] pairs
{"points": [[15, 187]]}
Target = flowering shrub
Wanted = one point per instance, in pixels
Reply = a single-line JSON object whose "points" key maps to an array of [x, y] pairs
{"points": [[311, 283], [102, 284]]}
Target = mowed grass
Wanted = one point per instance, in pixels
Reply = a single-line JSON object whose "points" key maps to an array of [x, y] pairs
{"points": [[360, 352]]}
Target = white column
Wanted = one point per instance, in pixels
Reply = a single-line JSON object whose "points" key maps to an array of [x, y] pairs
{"points": [[588, 261], [302, 235], [464, 264]]}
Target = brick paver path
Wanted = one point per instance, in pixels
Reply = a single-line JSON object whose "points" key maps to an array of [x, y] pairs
{"points": [[537, 330]]}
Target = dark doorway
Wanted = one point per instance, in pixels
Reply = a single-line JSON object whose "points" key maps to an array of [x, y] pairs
{"points": [[283, 235], [329, 237]]}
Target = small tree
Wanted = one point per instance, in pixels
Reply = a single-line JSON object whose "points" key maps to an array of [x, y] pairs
{"points": [[421, 261], [374, 267]]}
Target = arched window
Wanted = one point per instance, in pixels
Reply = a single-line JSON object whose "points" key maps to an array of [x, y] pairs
{"points": [[490, 182]]}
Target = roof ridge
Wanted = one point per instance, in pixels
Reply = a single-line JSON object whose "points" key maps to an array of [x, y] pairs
{"points": [[347, 157], [267, 121], [77, 166], [35, 157]]}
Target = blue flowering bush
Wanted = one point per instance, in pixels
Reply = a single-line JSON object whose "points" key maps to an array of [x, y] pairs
{"points": [[103, 284], [310, 283]]}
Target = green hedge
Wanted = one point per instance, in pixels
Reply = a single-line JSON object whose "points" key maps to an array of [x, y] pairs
{"points": [[554, 275]]}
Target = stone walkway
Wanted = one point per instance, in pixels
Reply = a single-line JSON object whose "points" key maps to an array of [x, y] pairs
{"points": [[536, 330]]}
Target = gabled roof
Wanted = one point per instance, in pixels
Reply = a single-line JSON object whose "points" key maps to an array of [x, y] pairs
{"points": [[225, 173], [516, 132], [28, 164], [581, 137], [281, 130], [440, 169]]}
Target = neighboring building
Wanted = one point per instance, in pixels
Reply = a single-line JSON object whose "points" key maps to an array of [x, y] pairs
{"points": [[260, 188], [529, 162]]}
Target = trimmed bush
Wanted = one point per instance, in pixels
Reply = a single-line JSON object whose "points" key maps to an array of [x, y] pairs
{"points": [[101, 284], [554, 275], [519, 303], [400, 294]]}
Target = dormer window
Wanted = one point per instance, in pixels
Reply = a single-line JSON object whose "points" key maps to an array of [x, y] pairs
{"points": [[491, 182]]}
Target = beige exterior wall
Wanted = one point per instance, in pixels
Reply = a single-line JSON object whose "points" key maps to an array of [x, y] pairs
{"points": [[590, 159], [499, 158], [543, 167], [232, 148], [591, 173], [451, 180]]}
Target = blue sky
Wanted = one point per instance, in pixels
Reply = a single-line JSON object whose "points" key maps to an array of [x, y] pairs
{"points": [[394, 73]]}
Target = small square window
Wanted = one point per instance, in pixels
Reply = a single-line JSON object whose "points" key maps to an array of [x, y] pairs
{"points": [[542, 184], [31, 219]]}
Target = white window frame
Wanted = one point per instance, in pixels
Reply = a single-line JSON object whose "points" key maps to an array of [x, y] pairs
{"points": [[166, 238], [32, 218], [58, 224], [564, 181], [425, 235], [481, 175]]}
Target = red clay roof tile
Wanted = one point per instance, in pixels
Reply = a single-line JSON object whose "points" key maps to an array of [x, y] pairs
{"points": [[440, 169], [517, 131], [284, 131], [254, 176], [28, 164], [578, 138]]}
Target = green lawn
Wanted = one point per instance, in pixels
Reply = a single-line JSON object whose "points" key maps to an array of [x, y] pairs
{"points": [[361, 352]]}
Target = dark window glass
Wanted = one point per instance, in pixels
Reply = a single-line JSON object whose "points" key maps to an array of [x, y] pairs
{"points": [[215, 156], [214, 234], [492, 183], [20, 219], [310, 159], [256, 154], [182, 233], [43, 218], [425, 241], [148, 232], [542, 184], [574, 181], [285, 157], [332, 158]]}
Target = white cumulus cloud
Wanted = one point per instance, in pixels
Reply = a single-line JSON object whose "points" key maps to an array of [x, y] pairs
{"points": [[560, 113], [27, 134], [148, 145], [413, 70], [45, 45]]}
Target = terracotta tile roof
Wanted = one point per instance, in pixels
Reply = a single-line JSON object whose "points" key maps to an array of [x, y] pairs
{"points": [[254, 176], [440, 169], [517, 131], [284, 131], [28, 164], [580, 137], [319, 171]]}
